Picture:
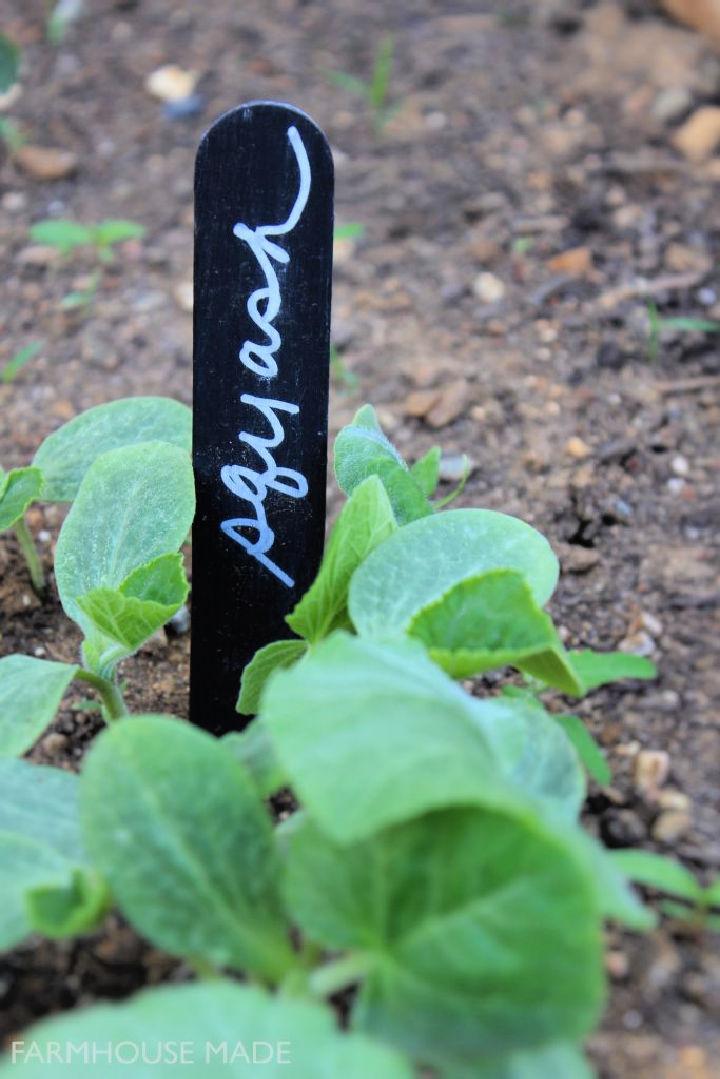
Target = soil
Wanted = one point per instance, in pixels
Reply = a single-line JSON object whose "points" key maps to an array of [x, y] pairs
{"points": [[521, 134]]}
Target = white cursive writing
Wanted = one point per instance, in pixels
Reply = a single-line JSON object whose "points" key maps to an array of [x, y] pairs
{"points": [[252, 485]]}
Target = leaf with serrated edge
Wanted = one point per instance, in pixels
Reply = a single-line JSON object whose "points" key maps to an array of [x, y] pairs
{"points": [[18, 489], [420, 562], [371, 734], [481, 930], [134, 504], [176, 827], [145, 601], [30, 694], [365, 521], [490, 621], [67, 453], [275, 656], [218, 1023], [40, 847]]}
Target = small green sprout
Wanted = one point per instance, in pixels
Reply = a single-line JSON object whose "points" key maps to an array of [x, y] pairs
{"points": [[375, 91], [668, 876], [23, 356], [683, 323]]}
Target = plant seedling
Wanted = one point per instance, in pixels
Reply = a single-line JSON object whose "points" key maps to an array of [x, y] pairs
{"points": [[683, 323], [668, 876], [10, 57], [22, 357], [70, 236], [435, 864], [65, 456], [376, 90]]}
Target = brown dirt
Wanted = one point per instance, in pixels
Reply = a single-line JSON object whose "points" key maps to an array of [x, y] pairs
{"points": [[517, 139]]}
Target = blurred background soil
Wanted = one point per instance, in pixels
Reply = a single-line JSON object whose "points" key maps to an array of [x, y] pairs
{"points": [[544, 193]]}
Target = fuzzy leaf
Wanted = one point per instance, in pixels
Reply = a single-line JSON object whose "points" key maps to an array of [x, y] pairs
{"points": [[254, 749], [272, 657], [177, 828], [482, 930], [30, 694], [371, 734], [365, 521], [217, 1023], [134, 504], [18, 489], [67, 453], [596, 668], [426, 471], [362, 450], [555, 1061], [145, 601], [42, 856], [491, 621], [422, 561]]}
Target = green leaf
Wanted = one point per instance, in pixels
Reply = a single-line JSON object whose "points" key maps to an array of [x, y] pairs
{"points": [[15, 365], [596, 668], [177, 828], [482, 931], [656, 871], [9, 63], [18, 489], [548, 1062], [492, 620], [30, 694], [254, 749], [145, 601], [426, 471], [371, 734], [618, 901], [41, 854], [216, 1025], [349, 82], [275, 656], [63, 235], [107, 233], [422, 561], [134, 504], [362, 450], [353, 230], [365, 521], [586, 748], [67, 453]]}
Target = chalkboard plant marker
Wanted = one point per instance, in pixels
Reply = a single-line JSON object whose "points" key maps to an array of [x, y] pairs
{"points": [[263, 260]]}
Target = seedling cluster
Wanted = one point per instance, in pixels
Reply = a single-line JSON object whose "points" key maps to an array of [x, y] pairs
{"points": [[433, 869]]}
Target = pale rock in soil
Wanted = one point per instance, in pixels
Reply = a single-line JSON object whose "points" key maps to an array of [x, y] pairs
{"points": [[453, 402], [575, 262], [419, 402], [576, 448], [651, 771], [171, 83], [38, 255], [681, 258], [637, 644], [183, 295], [46, 163], [699, 136], [579, 560], [488, 288], [703, 15], [671, 825], [671, 103], [454, 466]]}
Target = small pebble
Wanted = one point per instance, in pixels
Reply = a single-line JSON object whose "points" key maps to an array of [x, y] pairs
{"points": [[680, 465], [575, 447], [671, 825], [171, 83], [637, 644], [454, 467], [651, 770], [488, 288]]}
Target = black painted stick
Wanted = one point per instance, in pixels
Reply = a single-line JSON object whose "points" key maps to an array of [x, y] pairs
{"points": [[263, 261]]}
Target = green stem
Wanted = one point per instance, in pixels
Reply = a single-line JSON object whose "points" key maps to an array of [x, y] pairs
{"points": [[109, 693], [31, 556], [339, 974]]}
